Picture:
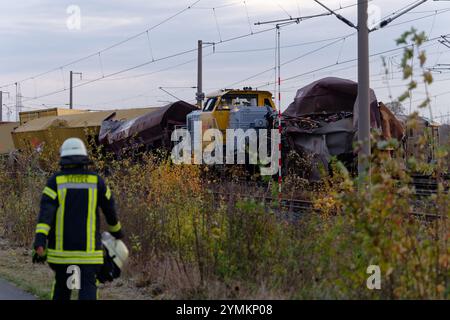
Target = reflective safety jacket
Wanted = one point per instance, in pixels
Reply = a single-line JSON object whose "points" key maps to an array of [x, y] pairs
{"points": [[69, 217]]}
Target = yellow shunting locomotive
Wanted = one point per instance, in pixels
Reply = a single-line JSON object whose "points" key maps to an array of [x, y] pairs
{"points": [[234, 109]]}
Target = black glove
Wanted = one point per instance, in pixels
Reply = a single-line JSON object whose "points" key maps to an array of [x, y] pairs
{"points": [[118, 235], [37, 258]]}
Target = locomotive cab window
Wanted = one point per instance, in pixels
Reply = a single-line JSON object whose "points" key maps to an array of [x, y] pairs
{"points": [[230, 101], [210, 104]]}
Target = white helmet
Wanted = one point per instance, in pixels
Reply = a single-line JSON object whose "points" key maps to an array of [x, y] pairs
{"points": [[117, 250], [73, 147]]}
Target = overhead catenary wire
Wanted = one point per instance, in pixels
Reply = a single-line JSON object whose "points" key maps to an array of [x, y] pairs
{"points": [[107, 48], [302, 44], [152, 61], [425, 94], [282, 8], [289, 61], [343, 62], [375, 80], [150, 48], [433, 23], [384, 22], [340, 50], [220, 6], [61, 67], [397, 11], [350, 67], [35, 88], [248, 17], [62, 77], [238, 3], [328, 66], [279, 23], [143, 94], [433, 96], [217, 24], [191, 6], [115, 73], [373, 76], [347, 68], [158, 71], [110, 78], [419, 18], [101, 64], [343, 19], [403, 85]]}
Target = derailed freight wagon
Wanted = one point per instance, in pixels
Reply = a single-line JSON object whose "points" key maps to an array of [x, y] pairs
{"points": [[49, 132], [322, 122], [6, 142], [147, 132], [26, 116], [444, 141], [423, 137]]}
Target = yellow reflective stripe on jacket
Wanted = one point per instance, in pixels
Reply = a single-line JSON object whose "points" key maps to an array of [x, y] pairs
{"points": [[77, 181], [115, 228], [91, 220], [42, 228], [60, 260], [74, 253], [77, 178], [108, 193], [77, 185], [49, 192], [52, 294], [75, 257], [59, 231]]}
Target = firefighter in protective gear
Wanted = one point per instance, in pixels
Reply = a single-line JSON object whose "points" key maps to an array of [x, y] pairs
{"points": [[68, 227]]}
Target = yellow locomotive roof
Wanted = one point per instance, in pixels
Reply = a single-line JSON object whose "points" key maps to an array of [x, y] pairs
{"points": [[223, 92]]}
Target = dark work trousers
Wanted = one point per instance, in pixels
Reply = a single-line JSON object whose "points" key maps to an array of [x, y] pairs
{"points": [[87, 281]]}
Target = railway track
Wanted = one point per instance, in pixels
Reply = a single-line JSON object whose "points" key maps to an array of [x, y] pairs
{"points": [[426, 186], [296, 208], [299, 205]]}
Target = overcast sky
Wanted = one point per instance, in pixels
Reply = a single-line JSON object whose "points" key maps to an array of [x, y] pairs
{"points": [[42, 35]]}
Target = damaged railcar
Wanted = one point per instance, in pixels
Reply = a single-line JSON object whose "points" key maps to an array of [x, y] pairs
{"points": [[147, 132], [321, 122]]}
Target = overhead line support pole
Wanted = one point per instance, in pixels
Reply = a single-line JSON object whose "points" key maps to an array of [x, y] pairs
{"points": [[1, 104], [71, 88], [363, 91], [200, 95], [280, 177]]}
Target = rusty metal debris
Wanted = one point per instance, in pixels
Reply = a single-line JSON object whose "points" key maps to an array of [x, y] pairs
{"points": [[322, 121]]}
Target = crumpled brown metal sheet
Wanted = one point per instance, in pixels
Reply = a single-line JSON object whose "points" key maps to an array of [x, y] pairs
{"points": [[328, 140], [150, 130], [321, 121], [331, 95], [390, 125]]}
